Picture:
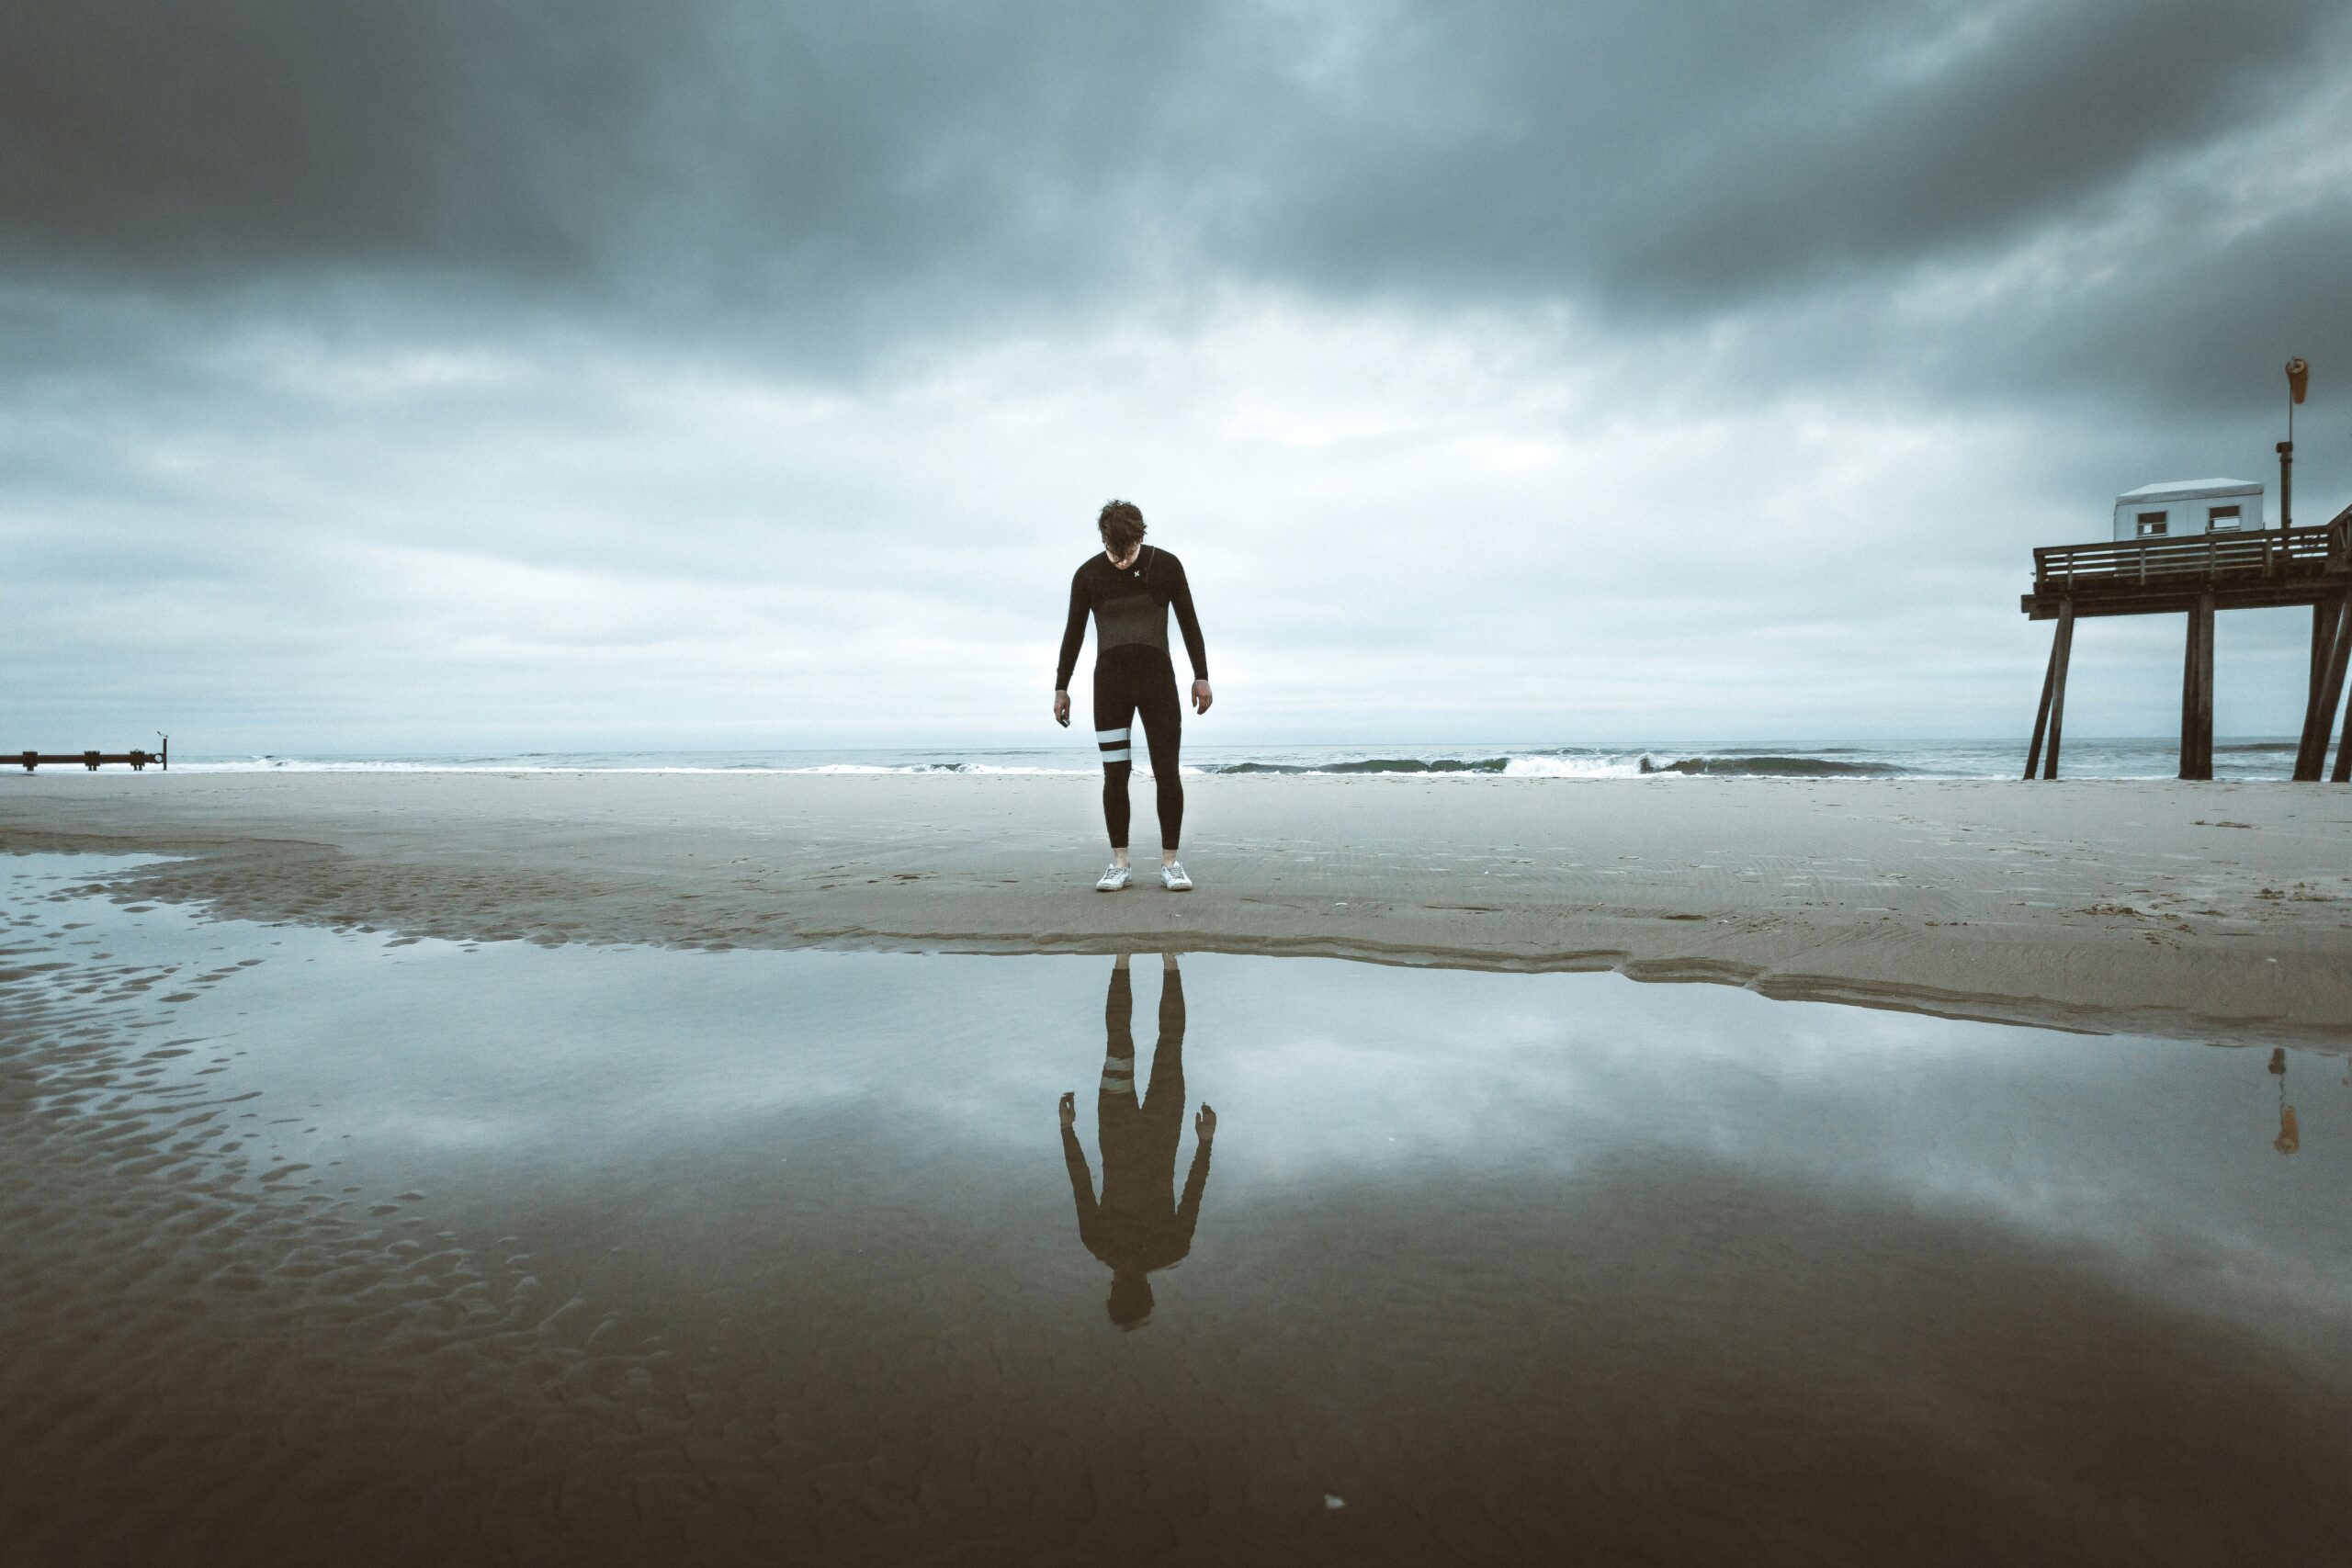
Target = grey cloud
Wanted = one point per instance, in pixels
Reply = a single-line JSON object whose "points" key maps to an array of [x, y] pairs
{"points": [[1788, 172], [228, 229], [823, 177], [1743, 152], [2207, 327], [166, 136], [806, 161]]}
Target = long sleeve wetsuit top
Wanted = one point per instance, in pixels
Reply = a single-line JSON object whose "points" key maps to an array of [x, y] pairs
{"points": [[1130, 610]]}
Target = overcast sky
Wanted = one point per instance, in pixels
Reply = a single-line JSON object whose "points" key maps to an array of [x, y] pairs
{"points": [[407, 375]]}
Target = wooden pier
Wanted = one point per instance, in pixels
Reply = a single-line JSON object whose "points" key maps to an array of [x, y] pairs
{"points": [[93, 760], [2195, 576]]}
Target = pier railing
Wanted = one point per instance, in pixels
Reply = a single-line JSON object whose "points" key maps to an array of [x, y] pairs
{"points": [[2269, 552], [2269, 567]]}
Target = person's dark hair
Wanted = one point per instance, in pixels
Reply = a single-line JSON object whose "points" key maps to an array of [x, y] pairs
{"points": [[1120, 524]]}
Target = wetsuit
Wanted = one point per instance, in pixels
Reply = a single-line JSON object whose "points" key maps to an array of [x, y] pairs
{"points": [[1139, 1225], [1134, 676]]}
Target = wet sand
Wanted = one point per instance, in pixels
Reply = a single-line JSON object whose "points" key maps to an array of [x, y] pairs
{"points": [[2181, 909], [336, 1247]]}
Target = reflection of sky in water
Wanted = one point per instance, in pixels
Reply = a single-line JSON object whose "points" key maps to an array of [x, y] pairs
{"points": [[1523, 1268], [529, 1066]]}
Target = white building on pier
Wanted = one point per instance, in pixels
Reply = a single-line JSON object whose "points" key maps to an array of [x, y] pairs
{"points": [[2188, 506]]}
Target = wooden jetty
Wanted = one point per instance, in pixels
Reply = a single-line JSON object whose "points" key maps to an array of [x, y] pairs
{"points": [[93, 760], [2194, 576]]}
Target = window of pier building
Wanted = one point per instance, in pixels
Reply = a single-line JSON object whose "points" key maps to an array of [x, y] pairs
{"points": [[2221, 519], [2152, 524]]}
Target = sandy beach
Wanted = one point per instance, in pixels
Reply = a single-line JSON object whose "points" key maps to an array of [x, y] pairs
{"points": [[2188, 910]]}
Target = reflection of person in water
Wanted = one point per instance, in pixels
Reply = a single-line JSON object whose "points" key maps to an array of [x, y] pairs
{"points": [[1134, 1228], [2291, 1137]]}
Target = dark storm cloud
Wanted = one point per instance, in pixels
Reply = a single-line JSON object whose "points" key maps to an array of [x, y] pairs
{"points": [[824, 177], [1747, 148], [2200, 333], [674, 158]]}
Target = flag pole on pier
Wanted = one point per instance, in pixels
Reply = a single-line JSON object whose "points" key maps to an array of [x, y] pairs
{"points": [[2299, 380]]}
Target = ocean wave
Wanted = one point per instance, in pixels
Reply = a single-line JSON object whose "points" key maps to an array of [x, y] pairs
{"points": [[1587, 765], [344, 765], [1532, 764], [1431, 762], [1770, 767], [932, 768], [1376, 765], [1571, 765]]}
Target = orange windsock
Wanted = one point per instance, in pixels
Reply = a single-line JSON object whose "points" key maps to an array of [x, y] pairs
{"points": [[2299, 378]]}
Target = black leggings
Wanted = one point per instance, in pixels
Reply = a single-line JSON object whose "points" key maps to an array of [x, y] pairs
{"points": [[1131, 681]]}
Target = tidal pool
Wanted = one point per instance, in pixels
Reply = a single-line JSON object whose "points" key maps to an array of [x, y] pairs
{"points": [[334, 1247]]}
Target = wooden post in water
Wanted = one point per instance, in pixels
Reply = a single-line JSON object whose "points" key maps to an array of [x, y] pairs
{"points": [[2196, 694], [2061, 649]]}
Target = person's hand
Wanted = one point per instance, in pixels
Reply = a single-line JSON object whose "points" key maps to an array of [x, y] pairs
{"points": [[1061, 709], [1205, 1123], [1201, 696], [1069, 1109]]}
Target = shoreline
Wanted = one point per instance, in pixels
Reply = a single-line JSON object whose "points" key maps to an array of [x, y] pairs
{"points": [[2218, 911]]}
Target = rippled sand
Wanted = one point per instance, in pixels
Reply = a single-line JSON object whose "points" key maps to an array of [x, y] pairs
{"points": [[332, 1248]]}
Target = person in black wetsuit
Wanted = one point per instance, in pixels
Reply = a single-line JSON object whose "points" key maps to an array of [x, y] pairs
{"points": [[1134, 1228], [1129, 589]]}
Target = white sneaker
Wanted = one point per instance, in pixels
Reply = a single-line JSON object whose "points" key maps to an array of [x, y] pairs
{"points": [[1115, 878], [1172, 877]]}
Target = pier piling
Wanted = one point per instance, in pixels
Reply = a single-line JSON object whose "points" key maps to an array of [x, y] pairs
{"points": [[2196, 694], [2061, 650], [2041, 713], [2319, 713]]}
